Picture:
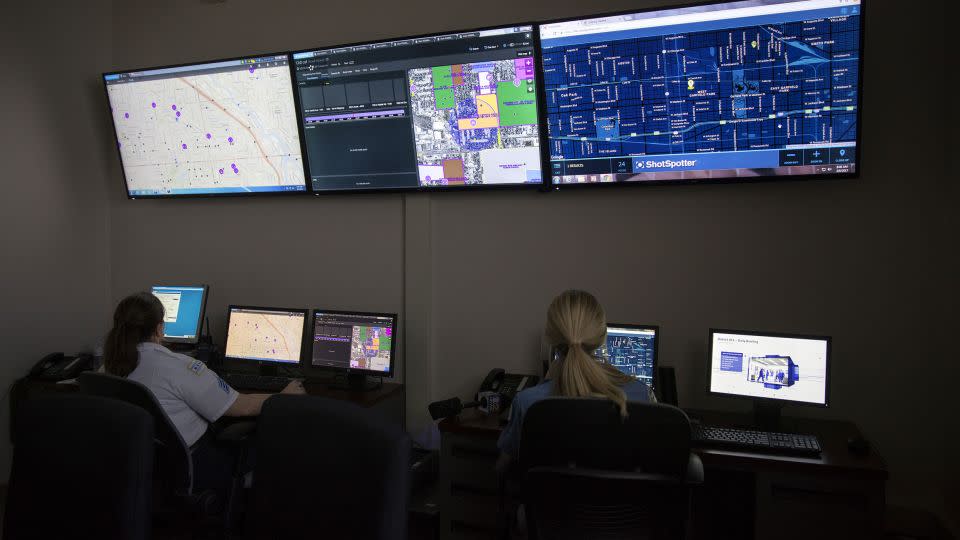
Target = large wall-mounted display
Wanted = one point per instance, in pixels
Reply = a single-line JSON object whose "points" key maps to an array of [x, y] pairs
{"points": [[716, 91], [217, 128], [442, 111]]}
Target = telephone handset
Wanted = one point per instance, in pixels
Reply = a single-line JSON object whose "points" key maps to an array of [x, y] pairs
{"points": [[57, 366], [506, 384]]}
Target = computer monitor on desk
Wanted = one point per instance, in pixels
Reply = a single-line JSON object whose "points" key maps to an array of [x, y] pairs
{"points": [[771, 369], [183, 309], [267, 338], [355, 344], [632, 349]]}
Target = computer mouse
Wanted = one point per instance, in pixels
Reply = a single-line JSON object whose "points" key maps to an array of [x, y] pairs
{"points": [[858, 446]]}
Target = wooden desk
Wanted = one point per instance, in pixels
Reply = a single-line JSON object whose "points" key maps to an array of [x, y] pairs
{"points": [[745, 494], [389, 399], [838, 495]]}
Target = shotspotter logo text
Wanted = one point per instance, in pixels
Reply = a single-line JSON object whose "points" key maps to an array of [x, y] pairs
{"points": [[664, 164]]}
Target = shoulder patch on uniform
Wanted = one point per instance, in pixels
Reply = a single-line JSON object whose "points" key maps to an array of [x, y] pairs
{"points": [[197, 367]]}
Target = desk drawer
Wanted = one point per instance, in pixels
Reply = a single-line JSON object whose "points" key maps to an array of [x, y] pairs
{"points": [[474, 512], [469, 464], [469, 488], [821, 507]]}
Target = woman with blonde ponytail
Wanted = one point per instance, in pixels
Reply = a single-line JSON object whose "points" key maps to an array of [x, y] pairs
{"points": [[576, 327]]}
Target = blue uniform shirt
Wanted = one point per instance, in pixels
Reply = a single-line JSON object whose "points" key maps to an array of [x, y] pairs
{"points": [[509, 442]]}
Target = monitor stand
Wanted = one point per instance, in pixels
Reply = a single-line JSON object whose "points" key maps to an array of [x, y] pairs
{"points": [[355, 382], [766, 416]]}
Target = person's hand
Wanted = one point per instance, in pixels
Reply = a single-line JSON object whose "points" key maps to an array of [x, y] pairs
{"points": [[295, 388]]}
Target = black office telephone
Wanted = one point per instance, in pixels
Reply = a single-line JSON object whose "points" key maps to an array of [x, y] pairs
{"points": [[58, 367], [506, 384]]}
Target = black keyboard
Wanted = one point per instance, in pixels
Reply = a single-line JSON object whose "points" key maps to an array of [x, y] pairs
{"points": [[764, 441], [248, 381]]}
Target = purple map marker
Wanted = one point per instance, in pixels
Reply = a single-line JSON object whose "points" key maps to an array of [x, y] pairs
{"points": [[174, 107], [230, 140], [126, 115], [178, 114], [184, 146], [221, 171], [208, 136], [153, 104]]}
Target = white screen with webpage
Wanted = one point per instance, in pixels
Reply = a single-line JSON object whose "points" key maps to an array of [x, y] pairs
{"points": [[785, 368]]}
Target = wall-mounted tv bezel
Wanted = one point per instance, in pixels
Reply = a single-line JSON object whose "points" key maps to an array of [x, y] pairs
{"points": [[541, 117], [552, 185], [113, 126]]}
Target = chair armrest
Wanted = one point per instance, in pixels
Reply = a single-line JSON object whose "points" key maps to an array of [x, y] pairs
{"points": [[236, 432], [694, 470]]}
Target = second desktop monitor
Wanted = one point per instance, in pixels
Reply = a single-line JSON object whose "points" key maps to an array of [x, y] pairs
{"points": [[436, 111], [356, 342]]}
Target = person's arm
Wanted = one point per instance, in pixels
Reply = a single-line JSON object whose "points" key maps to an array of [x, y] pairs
{"points": [[247, 405], [250, 404]]}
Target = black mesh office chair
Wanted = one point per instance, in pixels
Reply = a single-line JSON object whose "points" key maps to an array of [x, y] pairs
{"points": [[330, 469], [587, 473], [82, 468], [175, 476]]}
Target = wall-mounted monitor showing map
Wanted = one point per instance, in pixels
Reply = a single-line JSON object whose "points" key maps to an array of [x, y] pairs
{"points": [[714, 92], [441, 111], [218, 128]]}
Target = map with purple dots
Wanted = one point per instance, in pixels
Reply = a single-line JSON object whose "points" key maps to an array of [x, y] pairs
{"points": [[208, 128], [265, 335]]}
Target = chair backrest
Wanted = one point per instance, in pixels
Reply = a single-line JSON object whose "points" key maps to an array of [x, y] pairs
{"points": [[82, 468], [173, 452], [329, 466], [588, 473], [564, 503], [589, 433]]}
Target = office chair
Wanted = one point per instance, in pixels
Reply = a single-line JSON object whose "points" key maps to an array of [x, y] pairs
{"points": [[327, 468], [587, 473], [82, 468], [173, 457]]}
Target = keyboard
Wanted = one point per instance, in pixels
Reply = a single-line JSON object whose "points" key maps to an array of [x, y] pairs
{"points": [[248, 381], [764, 441]]}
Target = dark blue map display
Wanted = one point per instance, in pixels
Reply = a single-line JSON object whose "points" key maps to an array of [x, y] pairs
{"points": [[632, 351], [743, 96]]}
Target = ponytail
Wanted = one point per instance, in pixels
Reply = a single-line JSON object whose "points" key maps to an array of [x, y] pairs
{"points": [[576, 322], [134, 321]]}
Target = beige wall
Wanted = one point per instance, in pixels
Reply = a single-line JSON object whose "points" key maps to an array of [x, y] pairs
{"points": [[862, 260], [53, 217]]}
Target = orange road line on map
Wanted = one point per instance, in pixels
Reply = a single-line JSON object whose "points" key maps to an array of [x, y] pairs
{"points": [[250, 131]]}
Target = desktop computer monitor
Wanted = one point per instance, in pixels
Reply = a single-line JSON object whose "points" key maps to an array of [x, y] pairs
{"points": [[271, 336], [356, 343], [225, 127], [183, 310], [632, 349], [772, 369], [443, 111], [710, 92]]}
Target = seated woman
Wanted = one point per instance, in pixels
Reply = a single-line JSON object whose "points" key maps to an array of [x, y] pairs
{"points": [[191, 394], [576, 327]]}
